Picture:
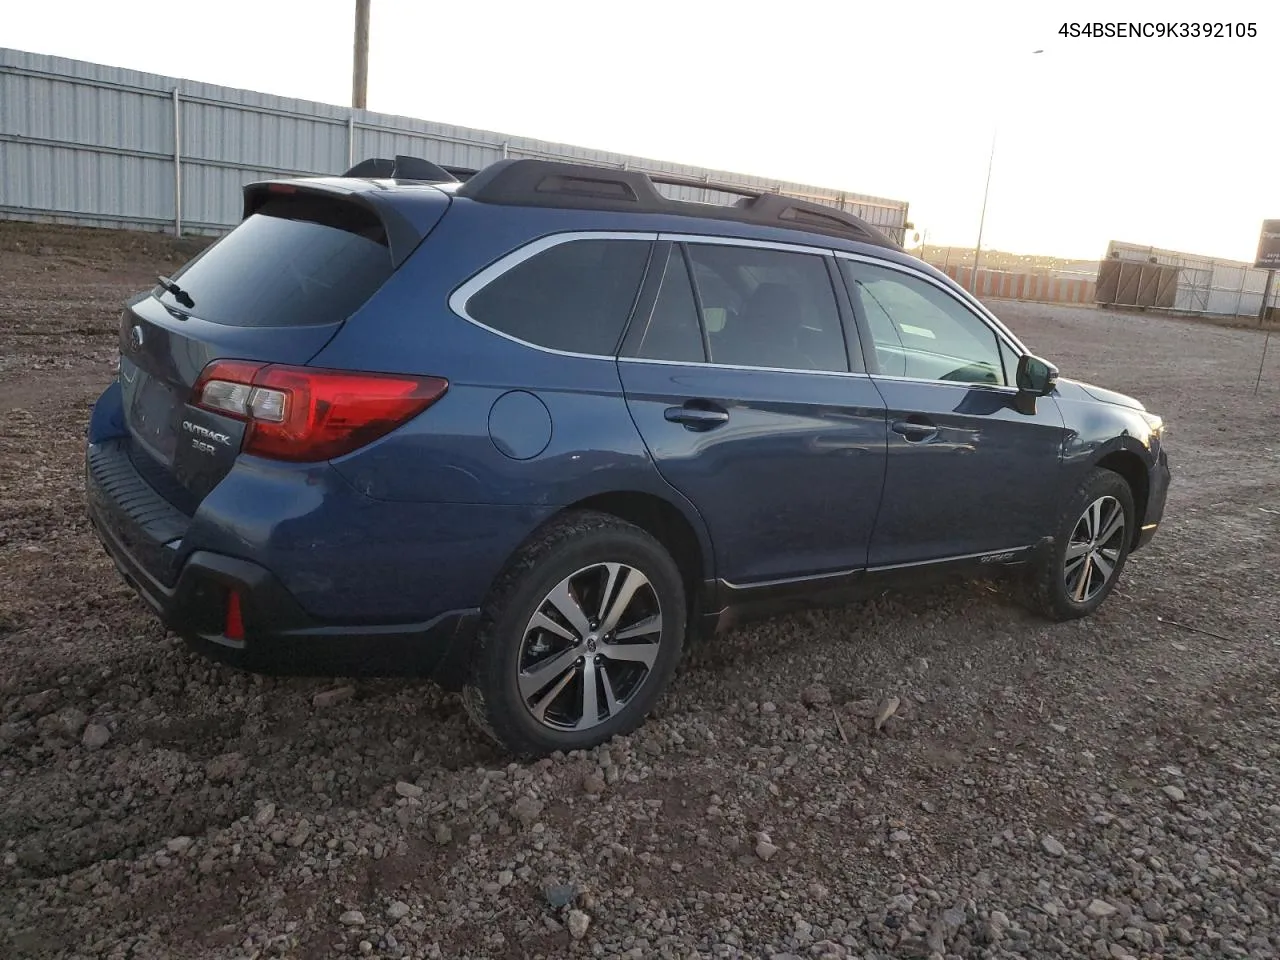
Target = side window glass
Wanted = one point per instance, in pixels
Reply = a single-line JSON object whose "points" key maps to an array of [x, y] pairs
{"points": [[719, 300], [920, 331], [673, 332], [890, 351], [1010, 358], [575, 296], [768, 308]]}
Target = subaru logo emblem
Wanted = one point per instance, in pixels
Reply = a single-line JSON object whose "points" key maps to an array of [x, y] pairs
{"points": [[135, 338]]}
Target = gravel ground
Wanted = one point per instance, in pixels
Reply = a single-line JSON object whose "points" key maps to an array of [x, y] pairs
{"points": [[1107, 788]]}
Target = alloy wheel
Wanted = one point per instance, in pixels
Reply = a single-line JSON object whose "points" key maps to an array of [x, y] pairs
{"points": [[1094, 549], [589, 647]]}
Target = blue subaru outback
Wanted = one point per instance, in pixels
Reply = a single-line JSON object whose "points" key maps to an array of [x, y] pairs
{"points": [[529, 431]]}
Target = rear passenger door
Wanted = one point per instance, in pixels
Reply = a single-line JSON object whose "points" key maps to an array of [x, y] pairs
{"points": [[754, 404]]}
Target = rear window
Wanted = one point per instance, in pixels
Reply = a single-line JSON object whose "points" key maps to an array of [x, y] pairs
{"points": [[575, 296], [295, 262]]}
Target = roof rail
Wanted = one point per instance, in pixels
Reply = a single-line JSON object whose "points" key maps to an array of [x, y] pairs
{"points": [[401, 168], [551, 183]]}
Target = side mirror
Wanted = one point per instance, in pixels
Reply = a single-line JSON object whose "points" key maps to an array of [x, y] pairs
{"points": [[1036, 378]]}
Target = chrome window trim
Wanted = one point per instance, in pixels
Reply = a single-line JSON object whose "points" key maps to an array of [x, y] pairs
{"points": [[739, 366], [462, 294], [965, 385], [961, 384], [969, 302], [746, 242]]}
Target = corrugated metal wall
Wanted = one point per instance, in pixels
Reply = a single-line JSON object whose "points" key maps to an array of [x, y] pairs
{"points": [[86, 143], [1205, 285]]}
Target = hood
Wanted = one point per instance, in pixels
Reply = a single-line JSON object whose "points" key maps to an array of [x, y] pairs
{"points": [[1107, 396]]}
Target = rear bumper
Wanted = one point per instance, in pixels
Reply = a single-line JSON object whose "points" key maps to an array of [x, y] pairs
{"points": [[1157, 493], [280, 637], [189, 592]]}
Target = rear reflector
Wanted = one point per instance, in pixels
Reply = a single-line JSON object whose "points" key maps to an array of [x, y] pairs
{"points": [[303, 414], [234, 629]]}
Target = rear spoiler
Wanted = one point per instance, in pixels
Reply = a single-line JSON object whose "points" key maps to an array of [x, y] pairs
{"points": [[406, 216]]}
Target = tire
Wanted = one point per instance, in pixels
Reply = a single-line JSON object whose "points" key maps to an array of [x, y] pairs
{"points": [[528, 678], [1055, 584]]}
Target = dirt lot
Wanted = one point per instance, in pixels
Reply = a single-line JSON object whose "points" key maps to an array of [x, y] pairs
{"points": [[1102, 789]]}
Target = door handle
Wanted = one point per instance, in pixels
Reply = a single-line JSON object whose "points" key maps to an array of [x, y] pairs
{"points": [[701, 416], [915, 431]]}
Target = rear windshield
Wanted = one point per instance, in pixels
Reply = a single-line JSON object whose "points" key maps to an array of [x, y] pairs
{"points": [[297, 261]]}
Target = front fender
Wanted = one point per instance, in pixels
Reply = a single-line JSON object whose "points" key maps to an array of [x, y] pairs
{"points": [[1099, 431], [1096, 430]]}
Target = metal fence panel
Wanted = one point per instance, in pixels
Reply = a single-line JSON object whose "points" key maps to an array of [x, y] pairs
{"points": [[98, 187], [86, 143], [266, 142], [211, 195], [51, 110]]}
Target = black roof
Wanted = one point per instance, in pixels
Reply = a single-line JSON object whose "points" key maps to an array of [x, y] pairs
{"points": [[558, 184]]}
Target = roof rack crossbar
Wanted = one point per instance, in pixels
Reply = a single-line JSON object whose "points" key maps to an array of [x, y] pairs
{"points": [[550, 183], [672, 180]]}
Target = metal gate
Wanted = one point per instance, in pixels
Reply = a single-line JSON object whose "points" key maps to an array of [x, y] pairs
{"points": [[1194, 289], [1127, 283]]}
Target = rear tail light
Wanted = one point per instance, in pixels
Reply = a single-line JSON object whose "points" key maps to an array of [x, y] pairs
{"points": [[303, 414]]}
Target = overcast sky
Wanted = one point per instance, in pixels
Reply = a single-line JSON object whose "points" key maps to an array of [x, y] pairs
{"points": [[1169, 142]]}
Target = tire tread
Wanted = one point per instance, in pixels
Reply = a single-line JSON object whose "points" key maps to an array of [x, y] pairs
{"points": [[1042, 591], [490, 717]]}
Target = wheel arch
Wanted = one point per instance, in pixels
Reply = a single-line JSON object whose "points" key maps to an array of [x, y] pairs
{"points": [[1132, 467], [683, 537]]}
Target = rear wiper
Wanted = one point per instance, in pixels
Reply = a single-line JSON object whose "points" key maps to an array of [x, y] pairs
{"points": [[179, 294]]}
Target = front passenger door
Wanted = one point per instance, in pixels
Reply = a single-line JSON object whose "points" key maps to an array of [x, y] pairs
{"points": [[967, 473]]}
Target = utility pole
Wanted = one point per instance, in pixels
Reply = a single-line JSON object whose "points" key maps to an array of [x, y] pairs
{"points": [[1266, 295], [982, 219], [1262, 318], [360, 65]]}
